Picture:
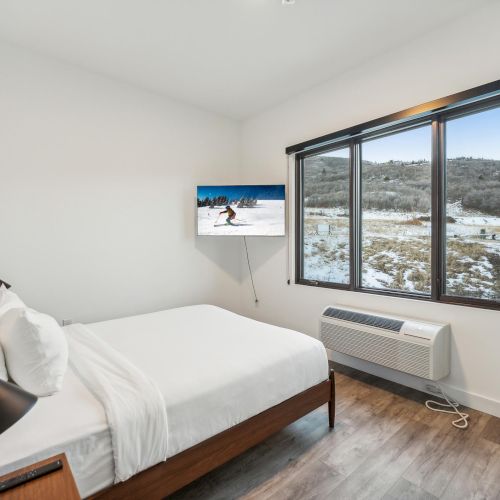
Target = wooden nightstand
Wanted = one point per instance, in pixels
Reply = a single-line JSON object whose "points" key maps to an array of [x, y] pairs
{"points": [[57, 485]]}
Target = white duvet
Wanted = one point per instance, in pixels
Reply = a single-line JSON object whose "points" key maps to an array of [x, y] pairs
{"points": [[213, 369], [134, 406]]}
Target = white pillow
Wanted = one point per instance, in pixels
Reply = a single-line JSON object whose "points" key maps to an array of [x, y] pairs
{"points": [[36, 350], [8, 300], [3, 368]]}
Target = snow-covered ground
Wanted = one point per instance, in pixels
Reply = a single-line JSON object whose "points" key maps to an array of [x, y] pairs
{"points": [[326, 258], [267, 218], [397, 250]]}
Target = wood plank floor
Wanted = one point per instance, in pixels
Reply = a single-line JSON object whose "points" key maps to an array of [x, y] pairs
{"points": [[385, 445]]}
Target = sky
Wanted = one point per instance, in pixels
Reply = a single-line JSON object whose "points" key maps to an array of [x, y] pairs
{"points": [[475, 135], [259, 192]]}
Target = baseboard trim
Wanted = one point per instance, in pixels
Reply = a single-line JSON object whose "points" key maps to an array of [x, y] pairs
{"points": [[466, 398]]}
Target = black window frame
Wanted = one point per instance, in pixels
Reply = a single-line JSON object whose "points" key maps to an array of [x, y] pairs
{"points": [[436, 113]]}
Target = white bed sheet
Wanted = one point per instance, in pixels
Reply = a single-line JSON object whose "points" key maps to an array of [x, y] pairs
{"points": [[71, 421], [214, 369]]}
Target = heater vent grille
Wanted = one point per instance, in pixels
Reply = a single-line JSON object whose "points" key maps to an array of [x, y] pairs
{"points": [[395, 353], [393, 325]]}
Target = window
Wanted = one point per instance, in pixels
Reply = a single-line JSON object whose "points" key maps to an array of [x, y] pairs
{"points": [[406, 205], [473, 205], [326, 217], [396, 211]]}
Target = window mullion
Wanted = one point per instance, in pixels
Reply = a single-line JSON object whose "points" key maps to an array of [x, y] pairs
{"points": [[438, 207], [435, 211], [441, 207], [356, 215], [299, 219]]}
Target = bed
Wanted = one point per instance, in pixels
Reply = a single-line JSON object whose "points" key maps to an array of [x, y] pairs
{"points": [[228, 382]]}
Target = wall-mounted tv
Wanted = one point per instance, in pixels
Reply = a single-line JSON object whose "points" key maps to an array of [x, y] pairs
{"points": [[247, 210]]}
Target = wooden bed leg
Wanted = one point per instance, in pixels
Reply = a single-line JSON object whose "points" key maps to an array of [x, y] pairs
{"points": [[331, 403]]}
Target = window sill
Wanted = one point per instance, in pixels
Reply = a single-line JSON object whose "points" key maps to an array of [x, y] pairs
{"points": [[443, 299]]}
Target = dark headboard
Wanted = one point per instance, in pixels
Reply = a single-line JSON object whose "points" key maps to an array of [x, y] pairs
{"points": [[5, 284]]}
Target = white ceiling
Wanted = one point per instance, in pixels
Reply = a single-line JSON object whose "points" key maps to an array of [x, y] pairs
{"points": [[234, 57]]}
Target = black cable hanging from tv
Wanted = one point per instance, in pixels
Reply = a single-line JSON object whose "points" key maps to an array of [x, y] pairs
{"points": [[250, 270]]}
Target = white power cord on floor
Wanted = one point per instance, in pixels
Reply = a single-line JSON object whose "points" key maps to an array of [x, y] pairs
{"points": [[459, 423]]}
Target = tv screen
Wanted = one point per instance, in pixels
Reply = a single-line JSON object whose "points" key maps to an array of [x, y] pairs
{"points": [[251, 210]]}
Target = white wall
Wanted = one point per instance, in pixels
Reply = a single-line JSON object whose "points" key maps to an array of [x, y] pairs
{"points": [[460, 56], [97, 194], [97, 199]]}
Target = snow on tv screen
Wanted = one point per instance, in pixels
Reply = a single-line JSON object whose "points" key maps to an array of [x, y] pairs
{"points": [[256, 210]]}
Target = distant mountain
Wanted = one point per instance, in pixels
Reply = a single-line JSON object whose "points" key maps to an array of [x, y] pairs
{"points": [[403, 186]]}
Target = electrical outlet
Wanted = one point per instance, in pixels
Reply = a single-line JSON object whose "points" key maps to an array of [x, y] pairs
{"points": [[66, 322]]}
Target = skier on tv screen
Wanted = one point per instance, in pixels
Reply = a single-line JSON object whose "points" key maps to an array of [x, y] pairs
{"points": [[231, 215]]}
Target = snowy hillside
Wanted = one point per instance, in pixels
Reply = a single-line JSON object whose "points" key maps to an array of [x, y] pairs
{"points": [[396, 224], [397, 250]]}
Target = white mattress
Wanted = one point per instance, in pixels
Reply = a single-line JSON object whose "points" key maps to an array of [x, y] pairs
{"points": [[214, 368]]}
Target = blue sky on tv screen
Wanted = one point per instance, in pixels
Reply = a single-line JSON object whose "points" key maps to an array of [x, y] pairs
{"points": [[262, 192]]}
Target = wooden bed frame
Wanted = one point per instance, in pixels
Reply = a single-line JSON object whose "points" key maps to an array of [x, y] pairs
{"points": [[181, 469]]}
